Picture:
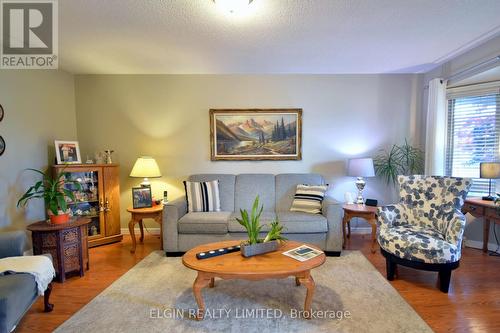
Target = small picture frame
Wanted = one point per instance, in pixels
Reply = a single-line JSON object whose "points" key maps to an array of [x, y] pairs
{"points": [[142, 197], [68, 152]]}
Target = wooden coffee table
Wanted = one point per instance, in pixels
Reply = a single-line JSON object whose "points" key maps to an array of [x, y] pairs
{"points": [[273, 265]]}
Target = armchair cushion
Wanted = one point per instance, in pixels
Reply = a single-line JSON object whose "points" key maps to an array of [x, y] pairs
{"points": [[17, 293], [416, 243]]}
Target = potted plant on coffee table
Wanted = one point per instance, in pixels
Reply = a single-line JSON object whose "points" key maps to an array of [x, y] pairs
{"points": [[255, 245], [52, 191]]}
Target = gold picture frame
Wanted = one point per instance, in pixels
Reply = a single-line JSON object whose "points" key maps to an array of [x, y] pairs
{"points": [[255, 134]]}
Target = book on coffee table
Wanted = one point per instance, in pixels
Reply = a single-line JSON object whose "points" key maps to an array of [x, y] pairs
{"points": [[302, 253]]}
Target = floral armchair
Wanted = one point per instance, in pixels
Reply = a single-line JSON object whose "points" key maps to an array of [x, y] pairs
{"points": [[424, 230]]}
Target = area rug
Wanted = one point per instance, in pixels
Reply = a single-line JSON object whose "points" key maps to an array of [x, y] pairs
{"points": [[156, 296]]}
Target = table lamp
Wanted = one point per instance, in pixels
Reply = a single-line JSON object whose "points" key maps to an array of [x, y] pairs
{"points": [[145, 167], [489, 170], [360, 167]]}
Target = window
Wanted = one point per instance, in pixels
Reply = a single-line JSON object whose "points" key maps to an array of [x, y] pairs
{"points": [[473, 134]]}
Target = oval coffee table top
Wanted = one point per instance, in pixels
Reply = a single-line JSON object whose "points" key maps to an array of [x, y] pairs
{"points": [[273, 263]]}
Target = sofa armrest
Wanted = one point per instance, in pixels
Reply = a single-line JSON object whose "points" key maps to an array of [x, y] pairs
{"points": [[172, 212], [332, 210], [388, 215], [456, 226], [12, 243]]}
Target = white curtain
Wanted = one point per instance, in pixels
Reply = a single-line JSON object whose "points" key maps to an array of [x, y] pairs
{"points": [[435, 144]]}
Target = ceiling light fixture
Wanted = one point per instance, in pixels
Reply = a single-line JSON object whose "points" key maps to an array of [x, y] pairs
{"points": [[232, 6]]}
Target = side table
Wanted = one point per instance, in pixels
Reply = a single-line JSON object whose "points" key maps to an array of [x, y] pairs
{"points": [[66, 243], [366, 212], [155, 213]]}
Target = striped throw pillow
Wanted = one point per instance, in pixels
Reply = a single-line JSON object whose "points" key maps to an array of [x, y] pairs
{"points": [[308, 198], [202, 196]]}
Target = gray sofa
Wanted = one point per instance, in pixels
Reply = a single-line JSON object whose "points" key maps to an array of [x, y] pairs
{"points": [[17, 291], [182, 230]]}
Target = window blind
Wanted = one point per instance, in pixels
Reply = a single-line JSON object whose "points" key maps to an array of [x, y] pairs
{"points": [[473, 132]]}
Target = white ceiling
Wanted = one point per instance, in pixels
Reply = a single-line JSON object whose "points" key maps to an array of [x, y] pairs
{"points": [[274, 36]]}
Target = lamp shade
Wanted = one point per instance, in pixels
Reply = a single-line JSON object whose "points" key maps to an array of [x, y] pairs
{"points": [[489, 170], [145, 167], [360, 167]]}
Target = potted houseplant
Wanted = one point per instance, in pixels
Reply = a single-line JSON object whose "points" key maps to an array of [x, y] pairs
{"points": [[403, 159], [255, 245], [55, 196]]}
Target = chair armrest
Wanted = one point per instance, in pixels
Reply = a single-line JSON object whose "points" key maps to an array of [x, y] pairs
{"points": [[332, 210], [172, 212], [12, 243], [389, 214], [456, 226]]}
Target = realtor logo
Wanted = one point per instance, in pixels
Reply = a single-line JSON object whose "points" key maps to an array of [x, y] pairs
{"points": [[29, 34]]}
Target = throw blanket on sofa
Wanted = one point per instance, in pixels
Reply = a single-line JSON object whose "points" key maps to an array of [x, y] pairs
{"points": [[39, 266]]}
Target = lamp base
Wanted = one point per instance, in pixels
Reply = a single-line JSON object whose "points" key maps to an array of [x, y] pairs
{"points": [[488, 198], [360, 184], [145, 183]]}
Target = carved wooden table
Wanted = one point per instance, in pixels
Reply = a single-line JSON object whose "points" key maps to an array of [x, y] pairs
{"points": [[368, 213], [138, 214], [66, 243], [273, 265]]}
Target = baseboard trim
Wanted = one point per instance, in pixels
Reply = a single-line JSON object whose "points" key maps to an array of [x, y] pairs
{"points": [[137, 231], [479, 245]]}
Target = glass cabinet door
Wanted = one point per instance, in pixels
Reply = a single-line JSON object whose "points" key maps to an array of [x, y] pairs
{"points": [[88, 200]]}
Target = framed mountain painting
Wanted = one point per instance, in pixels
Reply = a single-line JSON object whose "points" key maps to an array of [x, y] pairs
{"points": [[255, 134]]}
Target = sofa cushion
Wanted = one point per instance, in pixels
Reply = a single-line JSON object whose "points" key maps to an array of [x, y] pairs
{"points": [[204, 223], [286, 185], [416, 243], [308, 198], [302, 223], [17, 293], [248, 186], [202, 196], [266, 218], [293, 223], [226, 188]]}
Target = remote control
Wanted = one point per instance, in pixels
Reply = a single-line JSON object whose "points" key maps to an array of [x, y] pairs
{"points": [[217, 252]]}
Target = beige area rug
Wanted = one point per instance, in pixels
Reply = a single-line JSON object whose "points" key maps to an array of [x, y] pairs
{"points": [[155, 296]]}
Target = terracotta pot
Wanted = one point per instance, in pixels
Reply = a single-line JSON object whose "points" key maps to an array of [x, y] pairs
{"points": [[59, 219]]}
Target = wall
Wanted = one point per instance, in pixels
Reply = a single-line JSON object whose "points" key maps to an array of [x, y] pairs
{"points": [[488, 50], [166, 116], [39, 108]]}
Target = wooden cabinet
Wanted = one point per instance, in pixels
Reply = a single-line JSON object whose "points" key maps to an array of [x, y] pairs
{"points": [[98, 199]]}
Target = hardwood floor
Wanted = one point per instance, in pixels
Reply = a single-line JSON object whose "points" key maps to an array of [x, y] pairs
{"points": [[472, 305]]}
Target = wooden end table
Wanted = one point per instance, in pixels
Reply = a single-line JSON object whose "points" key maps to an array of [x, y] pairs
{"points": [[66, 243], [356, 210], [138, 214], [273, 265]]}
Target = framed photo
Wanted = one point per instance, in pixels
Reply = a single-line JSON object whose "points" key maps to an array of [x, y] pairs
{"points": [[255, 134], [68, 152], [141, 197]]}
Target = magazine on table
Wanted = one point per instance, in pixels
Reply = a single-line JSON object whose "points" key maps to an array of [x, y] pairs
{"points": [[302, 253]]}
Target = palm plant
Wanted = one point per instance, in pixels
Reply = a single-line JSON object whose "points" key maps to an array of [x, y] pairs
{"points": [[399, 160], [52, 191], [253, 227]]}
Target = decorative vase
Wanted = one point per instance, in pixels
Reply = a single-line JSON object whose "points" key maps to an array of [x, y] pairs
{"points": [[59, 219], [259, 248]]}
